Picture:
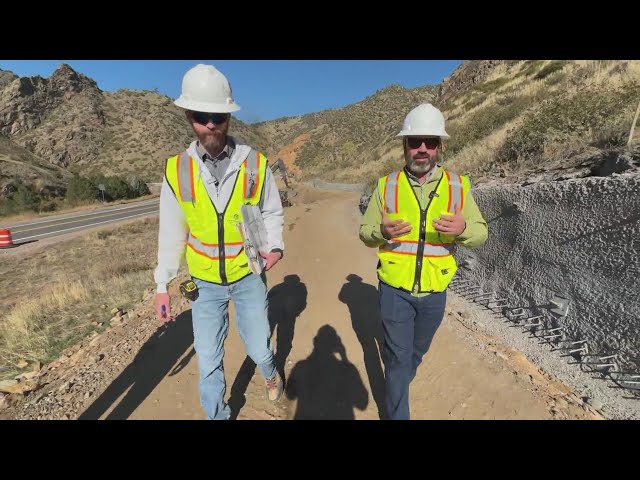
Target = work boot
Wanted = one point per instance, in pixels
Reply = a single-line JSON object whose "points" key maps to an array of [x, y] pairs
{"points": [[275, 387]]}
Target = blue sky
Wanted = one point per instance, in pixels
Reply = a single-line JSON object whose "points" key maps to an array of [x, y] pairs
{"points": [[265, 89]]}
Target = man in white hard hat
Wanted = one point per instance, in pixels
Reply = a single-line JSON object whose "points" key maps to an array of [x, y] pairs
{"points": [[200, 207], [414, 218]]}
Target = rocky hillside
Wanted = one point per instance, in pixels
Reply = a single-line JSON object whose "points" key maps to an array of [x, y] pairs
{"points": [[17, 161], [519, 121], [60, 118], [340, 144], [509, 121], [67, 121], [525, 119], [467, 76]]}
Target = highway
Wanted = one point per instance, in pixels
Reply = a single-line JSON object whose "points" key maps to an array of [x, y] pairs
{"points": [[32, 230]]}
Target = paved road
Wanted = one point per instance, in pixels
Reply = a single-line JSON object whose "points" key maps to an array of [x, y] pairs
{"points": [[32, 230]]}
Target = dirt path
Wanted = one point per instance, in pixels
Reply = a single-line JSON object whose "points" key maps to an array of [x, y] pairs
{"points": [[328, 277], [324, 297]]}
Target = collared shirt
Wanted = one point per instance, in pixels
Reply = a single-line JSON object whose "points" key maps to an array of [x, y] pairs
{"points": [[428, 176], [219, 164], [474, 235]]}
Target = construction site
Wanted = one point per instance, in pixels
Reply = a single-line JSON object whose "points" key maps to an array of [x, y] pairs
{"points": [[542, 322]]}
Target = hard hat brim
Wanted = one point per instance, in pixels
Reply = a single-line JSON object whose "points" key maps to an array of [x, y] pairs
{"points": [[414, 133], [206, 107]]}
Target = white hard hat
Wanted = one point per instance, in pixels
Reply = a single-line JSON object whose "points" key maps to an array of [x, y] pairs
{"points": [[205, 89], [424, 120]]}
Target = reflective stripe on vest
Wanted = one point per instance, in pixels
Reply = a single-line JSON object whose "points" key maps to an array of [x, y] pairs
{"points": [[455, 192], [215, 250], [422, 260], [212, 251], [186, 187], [411, 248], [251, 174], [391, 193], [186, 178]]}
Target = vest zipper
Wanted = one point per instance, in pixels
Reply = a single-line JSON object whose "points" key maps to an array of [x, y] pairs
{"points": [[220, 217], [423, 233], [420, 254], [223, 273]]}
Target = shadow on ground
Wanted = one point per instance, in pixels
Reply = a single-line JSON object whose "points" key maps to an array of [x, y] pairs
{"points": [[287, 301], [155, 360], [326, 385], [362, 300]]}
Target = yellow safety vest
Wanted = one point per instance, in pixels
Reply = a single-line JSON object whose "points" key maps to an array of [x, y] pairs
{"points": [[420, 261], [215, 251]]}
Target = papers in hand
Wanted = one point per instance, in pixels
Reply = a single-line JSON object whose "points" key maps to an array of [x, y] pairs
{"points": [[254, 236]]}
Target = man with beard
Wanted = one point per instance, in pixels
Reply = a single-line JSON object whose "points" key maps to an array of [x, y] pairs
{"points": [[414, 218], [202, 194]]}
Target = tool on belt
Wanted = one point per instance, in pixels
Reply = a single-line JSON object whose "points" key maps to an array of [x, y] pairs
{"points": [[189, 290]]}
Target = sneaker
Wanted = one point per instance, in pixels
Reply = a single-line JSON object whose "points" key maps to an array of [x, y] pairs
{"points": [[275, 387]]}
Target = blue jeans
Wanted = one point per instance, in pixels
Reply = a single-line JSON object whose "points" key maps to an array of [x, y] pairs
{"points": [[210, 314], [409, 324]]}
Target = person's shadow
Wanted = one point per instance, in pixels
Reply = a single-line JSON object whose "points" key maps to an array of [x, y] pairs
{"points": [[287, 301], [326, 387], [154, 361], [362, 300]]}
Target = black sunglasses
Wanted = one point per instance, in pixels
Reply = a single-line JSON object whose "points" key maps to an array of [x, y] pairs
{"points": [[203, 117], [415, 142]]}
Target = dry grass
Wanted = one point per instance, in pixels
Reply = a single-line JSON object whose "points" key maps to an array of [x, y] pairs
{"points": [[52, 298], [389, 157], [477, 158], [498, 72], [476, 128], [484, 117]]}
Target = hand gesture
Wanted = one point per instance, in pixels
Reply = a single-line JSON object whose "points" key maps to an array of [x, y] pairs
{"points": [[452, 225], [393, 228]]}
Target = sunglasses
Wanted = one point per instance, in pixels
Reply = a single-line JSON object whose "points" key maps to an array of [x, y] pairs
{"points": [[203, 117], [415, 142]]}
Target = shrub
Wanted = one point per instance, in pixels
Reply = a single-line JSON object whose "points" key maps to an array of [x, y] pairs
{"points": [[138, 186], [25, 199], [484, 121], [81, 189], [588, 115]]}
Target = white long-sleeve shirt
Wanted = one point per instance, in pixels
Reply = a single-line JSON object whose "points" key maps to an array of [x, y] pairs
{"points": [[174, 231]]}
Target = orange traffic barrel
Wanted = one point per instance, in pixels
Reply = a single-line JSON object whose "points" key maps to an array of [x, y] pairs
{"points": [[5, 238]]}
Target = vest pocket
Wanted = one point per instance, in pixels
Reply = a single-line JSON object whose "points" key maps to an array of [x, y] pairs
{"points": [[438, 272], [398, 271], [198, 261], [238, 267]]}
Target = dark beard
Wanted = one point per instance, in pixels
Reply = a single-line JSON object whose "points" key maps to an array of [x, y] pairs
{"points": [[214, 144]]}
